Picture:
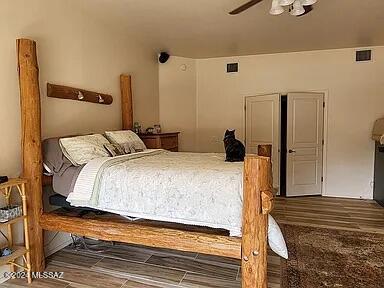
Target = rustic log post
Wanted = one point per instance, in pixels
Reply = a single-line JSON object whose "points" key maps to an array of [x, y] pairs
{"points": [[255, 221], [264, 150], [126, 101], [31, 145]]}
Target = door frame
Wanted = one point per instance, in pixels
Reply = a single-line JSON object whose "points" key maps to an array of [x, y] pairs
{"points": [[326, 93]]}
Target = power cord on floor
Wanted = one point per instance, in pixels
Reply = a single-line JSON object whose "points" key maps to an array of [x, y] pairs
{"points": [[80, 243]]}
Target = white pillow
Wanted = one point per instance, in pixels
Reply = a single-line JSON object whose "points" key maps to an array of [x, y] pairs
{"points": [[126, 136], [82, 149], [276, 239]]}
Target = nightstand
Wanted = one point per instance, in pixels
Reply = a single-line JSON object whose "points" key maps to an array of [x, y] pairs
{"points": [[168, 141]]}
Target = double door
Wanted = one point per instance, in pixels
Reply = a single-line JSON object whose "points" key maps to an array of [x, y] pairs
{"points": [[294, 127]]}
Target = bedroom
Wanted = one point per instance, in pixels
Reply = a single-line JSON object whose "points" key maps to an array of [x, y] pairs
{"points": [[89, 44]]}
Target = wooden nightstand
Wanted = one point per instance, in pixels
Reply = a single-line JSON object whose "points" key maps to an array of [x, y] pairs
{"points": [[167, 141]]}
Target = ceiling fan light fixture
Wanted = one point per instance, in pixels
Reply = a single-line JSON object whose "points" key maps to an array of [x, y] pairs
{"points": [[308, 2], [286, 2], [297, 8], [276, 8]]}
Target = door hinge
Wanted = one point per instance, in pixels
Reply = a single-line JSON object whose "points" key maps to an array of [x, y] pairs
{"points": [[323, 104], [322, 179], [322, 142]]}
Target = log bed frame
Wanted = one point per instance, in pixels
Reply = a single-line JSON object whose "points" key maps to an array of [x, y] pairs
{"points": [[251, 248]]}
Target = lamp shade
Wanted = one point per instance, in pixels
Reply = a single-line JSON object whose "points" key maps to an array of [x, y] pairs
{"points": [[276, 8], [286, 2], [308, 2], [297, 8]]}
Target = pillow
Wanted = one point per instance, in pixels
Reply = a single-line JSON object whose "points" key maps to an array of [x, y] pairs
{"points": [[276, 239], [114, 149], [54, 161], [131, 148], [126, 136], [82, 149]]}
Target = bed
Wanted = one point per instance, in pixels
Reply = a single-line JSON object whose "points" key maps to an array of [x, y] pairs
{"points": [[257, 198]]}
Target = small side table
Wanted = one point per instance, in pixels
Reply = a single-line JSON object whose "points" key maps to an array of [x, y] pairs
{"points": [[168, 141], [23, 249]]}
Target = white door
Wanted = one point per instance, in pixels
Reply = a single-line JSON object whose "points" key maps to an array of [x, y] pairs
{"points": [[262, 127], [305, 144]]}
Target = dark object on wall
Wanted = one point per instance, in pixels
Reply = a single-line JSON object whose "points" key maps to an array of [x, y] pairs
{"points": [[232, 67], [65, 92], [164, 56], [3, 179], [378, 187], [234, 149], [363, 55]]}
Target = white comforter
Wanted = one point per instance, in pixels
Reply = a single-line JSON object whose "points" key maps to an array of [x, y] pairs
{"points": [[189, 188]]}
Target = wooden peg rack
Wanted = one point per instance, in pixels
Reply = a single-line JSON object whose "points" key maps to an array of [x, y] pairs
{"points": [[65, 92]]}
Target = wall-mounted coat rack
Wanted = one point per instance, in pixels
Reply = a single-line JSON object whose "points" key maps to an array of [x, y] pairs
{"points": [[65, 92]]}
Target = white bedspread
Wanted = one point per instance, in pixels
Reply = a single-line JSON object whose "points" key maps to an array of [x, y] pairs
{"points": [[188, 188]]}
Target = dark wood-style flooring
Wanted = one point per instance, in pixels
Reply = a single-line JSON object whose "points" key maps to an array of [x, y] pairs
{"points": [[128, 266]]}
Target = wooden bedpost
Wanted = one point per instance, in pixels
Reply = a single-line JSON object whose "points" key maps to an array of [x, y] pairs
{"points": [[264, 150], [31, 145], [258, 201], [126, 101]]}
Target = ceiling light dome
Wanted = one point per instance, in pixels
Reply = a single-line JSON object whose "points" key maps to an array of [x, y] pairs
{"points": [[297, 8], [308, 2], [286, 2], [276, 8]]}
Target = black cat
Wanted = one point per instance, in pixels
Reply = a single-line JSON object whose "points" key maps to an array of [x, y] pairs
{"points": [[234, 149]]}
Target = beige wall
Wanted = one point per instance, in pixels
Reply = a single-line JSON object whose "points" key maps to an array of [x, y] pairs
{"points": [[73, 49], [77, 50], [355, 100], [177, 83]]}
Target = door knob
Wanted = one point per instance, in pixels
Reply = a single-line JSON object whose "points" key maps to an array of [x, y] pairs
{"points": [[291, 151]]}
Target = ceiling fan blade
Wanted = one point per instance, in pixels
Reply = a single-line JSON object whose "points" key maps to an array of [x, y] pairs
{"points": [[307, 9], [244, 7]]}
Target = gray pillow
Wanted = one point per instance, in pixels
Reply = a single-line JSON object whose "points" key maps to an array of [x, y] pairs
{"points": [[53, 157]]}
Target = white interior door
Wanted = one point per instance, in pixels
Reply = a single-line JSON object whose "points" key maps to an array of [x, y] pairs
{"points": [[305, 144], [262, 127]]}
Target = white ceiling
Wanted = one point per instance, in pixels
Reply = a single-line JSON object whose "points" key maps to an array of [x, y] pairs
{"points": [[203, 28]]}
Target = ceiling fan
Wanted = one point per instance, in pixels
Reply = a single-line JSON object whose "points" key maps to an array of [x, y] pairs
{"points": [[296, 7]]}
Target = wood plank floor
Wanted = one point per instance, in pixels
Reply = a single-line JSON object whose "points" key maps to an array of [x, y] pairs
{"points": [[128, 266]]}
